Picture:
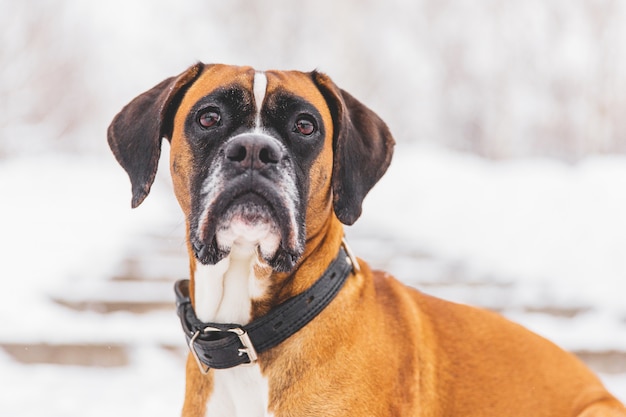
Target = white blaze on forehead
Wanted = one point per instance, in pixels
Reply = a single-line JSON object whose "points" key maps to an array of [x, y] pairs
{"points": [[259, 87]]}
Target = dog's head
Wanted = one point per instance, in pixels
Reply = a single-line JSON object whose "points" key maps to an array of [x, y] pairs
{"points": [[257, 158]]}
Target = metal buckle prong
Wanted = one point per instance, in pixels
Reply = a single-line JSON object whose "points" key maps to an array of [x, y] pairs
{"points": [[248, 347]]}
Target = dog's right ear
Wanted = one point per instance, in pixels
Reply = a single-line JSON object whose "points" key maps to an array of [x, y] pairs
{"points": [[136, 132]]}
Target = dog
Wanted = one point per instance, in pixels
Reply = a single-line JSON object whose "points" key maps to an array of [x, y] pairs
{"points": [[281, 319]]}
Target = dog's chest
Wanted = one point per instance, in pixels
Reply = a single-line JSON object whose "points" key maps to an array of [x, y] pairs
{"points": [[223, 293], [239, 392]]}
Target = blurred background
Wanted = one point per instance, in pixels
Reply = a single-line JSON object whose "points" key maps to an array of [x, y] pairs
{"points": [[508, 189], [502, 80]]}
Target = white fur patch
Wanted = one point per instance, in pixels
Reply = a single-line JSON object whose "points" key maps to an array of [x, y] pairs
{"points": [[260, 87], [209, 289], [224, 293], [240, 232], [239, 392]]}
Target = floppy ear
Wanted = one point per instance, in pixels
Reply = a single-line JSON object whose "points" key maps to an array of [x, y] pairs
{"points": [[362, 147], [136, 132]]}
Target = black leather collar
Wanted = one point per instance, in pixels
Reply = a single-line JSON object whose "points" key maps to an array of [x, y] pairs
{"points": [[220, 345]]}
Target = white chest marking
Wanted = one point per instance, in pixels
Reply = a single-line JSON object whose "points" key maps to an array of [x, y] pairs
{"points": [[223, 293], [260, 87], [238, 392]]}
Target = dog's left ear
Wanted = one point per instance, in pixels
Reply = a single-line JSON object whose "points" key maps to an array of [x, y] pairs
{"points": [[362, 146], [136, 132]]}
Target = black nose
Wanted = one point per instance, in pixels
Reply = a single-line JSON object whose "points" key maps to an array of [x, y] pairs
{"points": [[253, 151]]}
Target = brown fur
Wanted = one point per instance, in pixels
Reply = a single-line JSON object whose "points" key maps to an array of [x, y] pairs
{"points": [[380, 348]]}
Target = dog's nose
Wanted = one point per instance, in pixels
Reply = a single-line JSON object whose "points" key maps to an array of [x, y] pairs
{"points": [[253, 151]]}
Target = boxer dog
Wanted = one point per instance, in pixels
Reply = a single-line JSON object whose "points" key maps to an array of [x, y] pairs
{"points": [[280, 318]]}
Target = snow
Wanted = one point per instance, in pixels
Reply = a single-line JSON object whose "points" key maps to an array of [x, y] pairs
{"points": [[551, 223], [151, 386], [528, 232]]}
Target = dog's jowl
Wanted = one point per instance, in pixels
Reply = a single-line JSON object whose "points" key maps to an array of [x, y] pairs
{"points": [[280, 318]]}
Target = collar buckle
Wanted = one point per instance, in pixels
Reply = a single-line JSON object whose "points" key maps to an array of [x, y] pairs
{"points": [[248, 348]]}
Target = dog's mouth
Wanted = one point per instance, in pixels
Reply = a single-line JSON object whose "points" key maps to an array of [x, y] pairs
{"points": [[257, 219], [249, 221]]}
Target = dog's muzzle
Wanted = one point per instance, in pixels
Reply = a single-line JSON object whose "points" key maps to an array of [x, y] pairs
{"points": [[250, 196]]}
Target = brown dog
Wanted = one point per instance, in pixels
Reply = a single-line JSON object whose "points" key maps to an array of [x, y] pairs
{"points": [[266, 167]]}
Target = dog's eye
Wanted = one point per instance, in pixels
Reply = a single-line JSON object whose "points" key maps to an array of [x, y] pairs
{"points": [[304, 126], [209, 118]]}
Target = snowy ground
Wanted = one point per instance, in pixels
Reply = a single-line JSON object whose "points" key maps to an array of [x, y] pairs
{"points": [[540, 241]]}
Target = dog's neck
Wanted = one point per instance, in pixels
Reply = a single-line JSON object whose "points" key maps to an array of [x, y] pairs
{"points": [[241, 287], [223, 292]]}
